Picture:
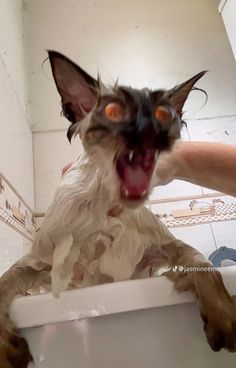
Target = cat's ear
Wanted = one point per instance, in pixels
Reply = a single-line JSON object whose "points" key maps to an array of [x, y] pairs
{"points": [[78, 90], [179, 94]]}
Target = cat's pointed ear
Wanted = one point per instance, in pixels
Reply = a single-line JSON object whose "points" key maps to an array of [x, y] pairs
{"points": [[78, 90], [179, 94]]}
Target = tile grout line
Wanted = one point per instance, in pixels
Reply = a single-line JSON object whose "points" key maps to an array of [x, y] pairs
{"points": [[214, 238], [24, 113], [211, 117]]}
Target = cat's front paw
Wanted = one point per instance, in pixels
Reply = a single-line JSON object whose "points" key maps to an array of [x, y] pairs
{"points": [[14, 350], [220, 325]]}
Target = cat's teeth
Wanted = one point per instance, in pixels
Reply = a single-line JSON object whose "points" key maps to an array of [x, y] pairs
{"points": [[126, 192], [131, 153]]}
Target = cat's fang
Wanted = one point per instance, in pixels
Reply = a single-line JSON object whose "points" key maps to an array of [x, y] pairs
{"points": [[131, 153], [126, 193]]}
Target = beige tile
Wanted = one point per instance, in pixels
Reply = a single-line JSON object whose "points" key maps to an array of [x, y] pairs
{"points": [[225, 234], [11, 247], [198, 236], [177, 188], [52, 152], [16, 159], [222, 130]]}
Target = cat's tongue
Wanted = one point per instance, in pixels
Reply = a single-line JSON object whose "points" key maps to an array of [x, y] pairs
{"points": [[134, 169], [135, 182]]}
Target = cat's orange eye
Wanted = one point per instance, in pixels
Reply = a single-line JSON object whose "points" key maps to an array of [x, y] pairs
{"points": [[114, 112], [163, 115]]}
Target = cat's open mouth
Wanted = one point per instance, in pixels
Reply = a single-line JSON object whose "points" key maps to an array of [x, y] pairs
{"points": [[135, 169]]}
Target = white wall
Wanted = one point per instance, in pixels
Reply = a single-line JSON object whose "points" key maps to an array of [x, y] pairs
{"points": [[147, 43], [227, 9], [16, 158], [51, 153], [151, 43]]}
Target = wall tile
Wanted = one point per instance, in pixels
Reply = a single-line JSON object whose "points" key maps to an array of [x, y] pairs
{"points": [[11, 248], [179, 50], [52, 152], [12, 48], [198, 236], [225, 234], [16, 158], [177, 188], [218, 129]]}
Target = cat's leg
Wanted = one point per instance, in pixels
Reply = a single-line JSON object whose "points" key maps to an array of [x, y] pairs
{"points": [[216, 306], [20, 278]]}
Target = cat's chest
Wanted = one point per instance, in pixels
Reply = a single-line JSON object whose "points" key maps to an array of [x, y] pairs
{"points": [[117, 245]]}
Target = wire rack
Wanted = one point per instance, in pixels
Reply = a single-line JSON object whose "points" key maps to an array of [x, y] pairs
{"points": [[16, 225], [213, 213]]}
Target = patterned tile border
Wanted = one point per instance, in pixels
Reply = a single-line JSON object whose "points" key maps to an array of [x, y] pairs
{"points": [[216, 211], [17, 214], [171, 222], [14, 211]]}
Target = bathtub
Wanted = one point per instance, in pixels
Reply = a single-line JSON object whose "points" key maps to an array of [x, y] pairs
{"points": [[130, 324]]}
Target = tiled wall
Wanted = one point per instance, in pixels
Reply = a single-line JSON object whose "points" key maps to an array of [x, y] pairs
{"points": [[52, 151], [16, 158]]}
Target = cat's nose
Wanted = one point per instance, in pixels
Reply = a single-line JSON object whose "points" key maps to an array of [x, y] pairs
{"points": [[143, 124], [143, 119]]}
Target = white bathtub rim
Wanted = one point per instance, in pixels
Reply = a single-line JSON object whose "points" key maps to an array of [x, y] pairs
{"points": [[106, 299]]}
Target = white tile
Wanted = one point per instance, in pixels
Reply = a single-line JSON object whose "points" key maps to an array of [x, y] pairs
{"points": [[201, 235], [225, 234], [176, 188], [196, 40], [207, 190], [13, 48], [222, 130], [52, 152], [227, 199], [198, 236], [16, 159], [12, 247]]}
